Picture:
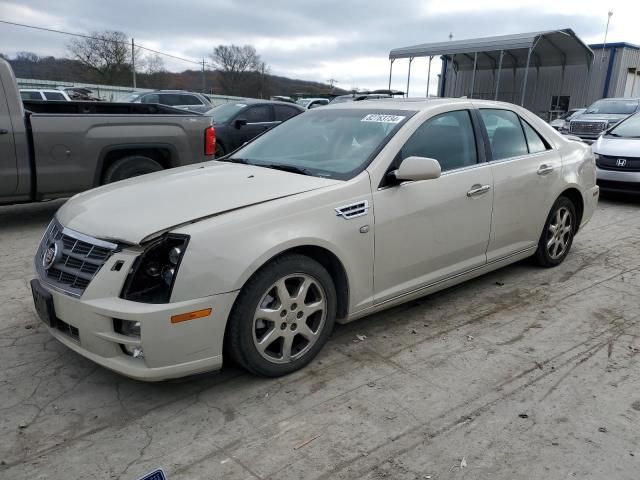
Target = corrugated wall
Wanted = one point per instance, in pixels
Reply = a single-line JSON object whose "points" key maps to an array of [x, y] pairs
{"points": [[545, 82]]}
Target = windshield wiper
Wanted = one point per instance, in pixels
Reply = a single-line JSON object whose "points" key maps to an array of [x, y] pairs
{"points": [[286, 168], [243, 161]]}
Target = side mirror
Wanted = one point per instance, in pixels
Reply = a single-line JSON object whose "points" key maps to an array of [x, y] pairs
{"points": [[418, 168], [240, 122]]}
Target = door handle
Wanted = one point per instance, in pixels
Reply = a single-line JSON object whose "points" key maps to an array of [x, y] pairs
{"points": [[478, 190], [544, 169], [4, 131]]}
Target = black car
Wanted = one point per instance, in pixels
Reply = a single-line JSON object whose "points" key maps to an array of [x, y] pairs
{"points": [[238, 122]]}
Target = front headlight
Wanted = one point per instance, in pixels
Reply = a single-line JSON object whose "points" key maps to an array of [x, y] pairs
{"points": [[153, 274]]}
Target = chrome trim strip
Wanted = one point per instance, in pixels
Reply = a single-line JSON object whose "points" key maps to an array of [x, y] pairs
{"points": [[86, 238], [466, 272], [50, 285]]}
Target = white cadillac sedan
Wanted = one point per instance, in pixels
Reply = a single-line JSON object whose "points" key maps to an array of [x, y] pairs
{"points": [[333, 215]]}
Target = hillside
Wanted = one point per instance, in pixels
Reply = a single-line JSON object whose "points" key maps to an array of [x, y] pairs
{"points": [[251, 84]]}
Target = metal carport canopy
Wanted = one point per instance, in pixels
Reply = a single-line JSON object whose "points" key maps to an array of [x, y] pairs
{"points": [[549, 48], [540, 49]]}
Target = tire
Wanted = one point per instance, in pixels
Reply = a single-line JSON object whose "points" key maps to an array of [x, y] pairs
{"points": [[220, 151], [273, 329], [554, 244], [129, 167]]}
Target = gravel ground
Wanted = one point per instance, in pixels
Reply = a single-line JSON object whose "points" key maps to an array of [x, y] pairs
{"points": [[522, 373]]}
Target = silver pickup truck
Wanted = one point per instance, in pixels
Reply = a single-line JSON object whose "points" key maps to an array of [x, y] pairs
{"points": [[56, 149]]}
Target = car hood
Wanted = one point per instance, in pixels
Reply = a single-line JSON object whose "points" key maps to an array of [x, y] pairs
{"points": [[139, 208], [617, 147]]}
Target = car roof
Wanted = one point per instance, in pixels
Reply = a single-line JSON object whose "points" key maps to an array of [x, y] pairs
{"points": [[253, 101], [39, 90], [419, 104]]}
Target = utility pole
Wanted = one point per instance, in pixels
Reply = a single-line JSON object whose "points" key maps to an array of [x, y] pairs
{"points": [[133, 61], [332, 82], [203, 80], [606, 30]]}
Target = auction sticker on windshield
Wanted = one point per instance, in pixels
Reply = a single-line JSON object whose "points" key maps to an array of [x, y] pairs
{"points": [[381, 118]]}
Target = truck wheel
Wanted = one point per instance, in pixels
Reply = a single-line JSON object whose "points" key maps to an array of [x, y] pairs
{"points": [[129, 167], [282, 317]]}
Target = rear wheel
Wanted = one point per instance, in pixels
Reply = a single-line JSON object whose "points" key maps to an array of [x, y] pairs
{"points": [[283, 316], [129, 167], [557, 236]]}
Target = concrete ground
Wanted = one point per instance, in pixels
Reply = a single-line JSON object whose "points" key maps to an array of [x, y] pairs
{"points": [[523, 373]]}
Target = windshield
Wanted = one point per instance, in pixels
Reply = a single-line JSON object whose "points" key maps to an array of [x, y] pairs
{"points": [[629, 128], [131, 97], [342, 99], [303, 102], [224, 113], [332, 143], [620, 107]]}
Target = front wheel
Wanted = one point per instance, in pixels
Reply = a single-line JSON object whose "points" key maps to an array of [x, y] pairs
{"points": [[283, 316], [557, 236]]}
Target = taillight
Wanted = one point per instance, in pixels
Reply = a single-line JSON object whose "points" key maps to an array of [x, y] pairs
{"points": [[210, 141]]}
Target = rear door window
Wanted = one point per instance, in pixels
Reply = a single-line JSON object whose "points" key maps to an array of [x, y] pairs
{"points": [[189, 100], [258, 114], [54, 96], [170, 99], [534, 141], [153, 98], [282, 112], [30, 96], [506, 136]]}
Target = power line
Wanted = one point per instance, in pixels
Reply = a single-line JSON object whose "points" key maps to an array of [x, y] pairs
{"points": [[34, 27]]}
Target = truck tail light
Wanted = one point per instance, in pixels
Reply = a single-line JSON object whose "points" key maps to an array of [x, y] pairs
{"points": [[210, 141]]}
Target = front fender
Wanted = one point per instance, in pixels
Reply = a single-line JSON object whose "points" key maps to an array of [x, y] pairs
{"points": [[225, 251]]}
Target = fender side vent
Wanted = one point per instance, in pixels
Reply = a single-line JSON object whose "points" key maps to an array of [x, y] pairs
{"points": [[353, 210]]}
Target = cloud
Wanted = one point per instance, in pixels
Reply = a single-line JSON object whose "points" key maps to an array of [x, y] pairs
{"points": [[348, 41]]}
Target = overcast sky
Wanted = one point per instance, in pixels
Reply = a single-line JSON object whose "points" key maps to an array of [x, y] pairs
{"points": [[348, 40]]}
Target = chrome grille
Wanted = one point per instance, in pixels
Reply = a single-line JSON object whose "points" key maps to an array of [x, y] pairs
{"points": [[587, 127], [80, 258]]}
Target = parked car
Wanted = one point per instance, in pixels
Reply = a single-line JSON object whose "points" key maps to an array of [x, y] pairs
{"points": [[82, 94], [562, 122], [44, 94], [618, 157], [56, 149], [309, 103], [256, 256], [194, 102], [602, 115], [238, 123]]}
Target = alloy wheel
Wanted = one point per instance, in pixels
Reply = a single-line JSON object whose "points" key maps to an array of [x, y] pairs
{"points": [[289, 318], [559, 233]]}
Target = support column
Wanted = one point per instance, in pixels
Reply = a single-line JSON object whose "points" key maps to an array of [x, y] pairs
{"points": [[473, 77], [409, 76], [526, 75], [495, 97], [429, 74], [390, 70]]}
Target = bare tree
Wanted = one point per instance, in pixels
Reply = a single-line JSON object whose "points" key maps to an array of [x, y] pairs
{"points": [[233, 62], [153, 63], [27, 57], [108, 53]]}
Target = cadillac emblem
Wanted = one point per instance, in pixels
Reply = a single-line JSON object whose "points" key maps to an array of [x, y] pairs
{"points": [[51, 255]]}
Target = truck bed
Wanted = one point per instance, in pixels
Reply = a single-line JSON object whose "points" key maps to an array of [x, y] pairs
{"points": [[101, 108]]}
